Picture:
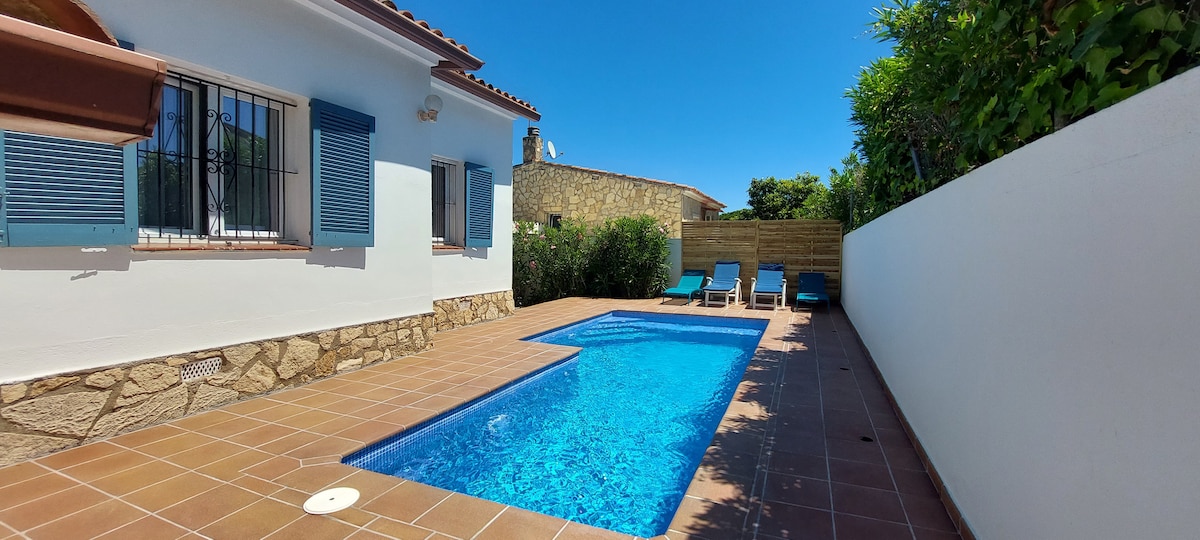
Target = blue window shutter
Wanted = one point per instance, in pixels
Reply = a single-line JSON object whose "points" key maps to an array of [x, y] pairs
{"points": [[480, 200], [67, 192], [343, 168]]}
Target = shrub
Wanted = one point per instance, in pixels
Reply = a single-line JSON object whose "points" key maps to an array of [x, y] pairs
{"points": [[624, 258], [628, 259]]}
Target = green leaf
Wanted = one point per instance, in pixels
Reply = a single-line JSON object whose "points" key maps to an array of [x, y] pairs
{"points": [[1169, 45], [1002, 18], [1096, 61], [1150, 18]]}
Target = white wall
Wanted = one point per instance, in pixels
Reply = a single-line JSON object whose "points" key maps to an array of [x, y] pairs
{"points": [[65, 310], [468, 132], [1037, 321]]}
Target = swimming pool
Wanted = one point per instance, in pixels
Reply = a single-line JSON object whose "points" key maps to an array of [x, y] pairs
{"points": [[610, 437]]}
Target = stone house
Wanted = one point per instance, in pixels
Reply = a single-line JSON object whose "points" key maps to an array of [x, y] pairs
{"points": [[545, 192], [273, 228]]}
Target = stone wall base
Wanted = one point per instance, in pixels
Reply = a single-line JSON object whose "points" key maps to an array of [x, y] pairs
{"points": [[65, 410]]}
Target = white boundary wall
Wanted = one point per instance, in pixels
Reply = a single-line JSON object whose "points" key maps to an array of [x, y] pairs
{"points": [[1038, 321]]}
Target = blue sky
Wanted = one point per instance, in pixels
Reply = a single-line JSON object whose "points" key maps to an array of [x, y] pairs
{"points": [[704, 93]]}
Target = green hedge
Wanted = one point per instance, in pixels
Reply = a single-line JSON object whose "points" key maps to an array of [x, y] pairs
{"points": [[972, 80], [624, 258]]}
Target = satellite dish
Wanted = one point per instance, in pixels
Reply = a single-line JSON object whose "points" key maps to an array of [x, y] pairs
{"points": [[551, 150]]}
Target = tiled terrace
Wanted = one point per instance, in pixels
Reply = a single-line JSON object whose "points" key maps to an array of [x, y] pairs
{"points": [[810, 448]]}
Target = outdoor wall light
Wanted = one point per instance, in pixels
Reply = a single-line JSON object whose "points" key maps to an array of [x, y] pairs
{"points": [[433, 104]]}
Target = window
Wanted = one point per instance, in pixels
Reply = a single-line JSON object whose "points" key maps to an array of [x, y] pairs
{"points": [[214, 166], [554, 221], [448, 217]]}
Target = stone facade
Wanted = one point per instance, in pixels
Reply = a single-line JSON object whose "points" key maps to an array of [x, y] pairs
{"points": [[468, 310], [62, 411], [542, 188]]}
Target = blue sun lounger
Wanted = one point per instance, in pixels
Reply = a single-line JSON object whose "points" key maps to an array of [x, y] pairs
{"points": [[690, 285], [725, 283], [770, 282], [811, 286]]}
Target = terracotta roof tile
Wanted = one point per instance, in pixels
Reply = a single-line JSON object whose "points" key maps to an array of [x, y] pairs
{"points": [[402, 21], [482, 88]]}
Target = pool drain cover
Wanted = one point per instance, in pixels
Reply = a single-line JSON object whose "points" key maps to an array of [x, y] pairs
{"points": [[331, 500]]}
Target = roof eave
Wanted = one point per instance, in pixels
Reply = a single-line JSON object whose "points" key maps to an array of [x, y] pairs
{"points": [[412, 31], [482, 92]]}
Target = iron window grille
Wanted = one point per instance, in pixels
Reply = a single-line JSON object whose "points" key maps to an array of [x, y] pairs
{"points": [[447, 216], [215, 166]]}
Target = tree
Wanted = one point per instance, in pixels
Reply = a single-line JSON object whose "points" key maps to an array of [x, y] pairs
{"points": [[771, 198], [973, 80], [738, 215]]}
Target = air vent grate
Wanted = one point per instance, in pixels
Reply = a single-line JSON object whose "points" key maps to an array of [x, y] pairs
{"points": [[194, 371]]}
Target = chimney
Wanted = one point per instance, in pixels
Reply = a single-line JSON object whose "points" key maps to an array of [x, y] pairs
{"points": [[531, 146]]}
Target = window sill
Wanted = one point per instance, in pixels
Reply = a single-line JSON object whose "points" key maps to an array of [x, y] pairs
{"points": [[226, 246], [447, 249]]}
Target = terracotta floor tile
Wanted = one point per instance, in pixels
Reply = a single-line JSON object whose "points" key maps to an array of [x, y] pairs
{"points": [[231, 467], [257, 485], [868, 502], [579, 531], [174, 445], [261, 435], [97, 519], [797, 491], [232, 427], [278, 412], [407, 399], [795, 522], [339, 423], [929, 534], [308, 419], [83, 454], [319, 400], [721, 488], [203, 455], [248, 407], [517, 523], [170, 491], [347, 405], [145, 436], [147, 528], [438, 403], [927, 512], [136, 478], [254, 521], [406, 416], [313, 527], [201, 421], [36, 487], [460, 515], [375, 410], [51, 507], [406, 501], [274, 467], [354, 516], [210, 506], [110, 464], [364, 534], [315, 478], [370, 431], [291, 442], [370, 484], [708, 519], [860, 528], [395, 529], [327, 446], [381, 394], [861, 474]]}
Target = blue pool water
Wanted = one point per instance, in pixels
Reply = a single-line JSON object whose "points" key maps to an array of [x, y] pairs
{"points": [[610, 438]]}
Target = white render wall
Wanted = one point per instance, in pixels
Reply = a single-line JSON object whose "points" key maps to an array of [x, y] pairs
{"points": [[467, 132], [1038, 321], [63, 309]]}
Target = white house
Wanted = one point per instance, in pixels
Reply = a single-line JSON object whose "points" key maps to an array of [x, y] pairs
{"points": [[275, 229]]}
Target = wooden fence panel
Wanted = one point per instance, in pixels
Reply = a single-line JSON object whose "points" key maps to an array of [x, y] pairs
{"points": [[801, 245]]}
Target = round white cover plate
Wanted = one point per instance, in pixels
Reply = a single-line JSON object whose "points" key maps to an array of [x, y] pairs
{"points": [[331, 500]]}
